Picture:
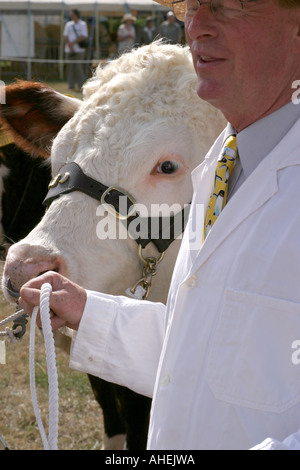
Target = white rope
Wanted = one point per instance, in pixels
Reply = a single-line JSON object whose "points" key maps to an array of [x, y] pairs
{"points": [[137, 294], [10, 335], [11, 317], [49, 443]]}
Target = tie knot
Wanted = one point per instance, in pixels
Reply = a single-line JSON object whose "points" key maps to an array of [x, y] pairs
{"points": [[229, 151], [231, 142], [225, 164]]}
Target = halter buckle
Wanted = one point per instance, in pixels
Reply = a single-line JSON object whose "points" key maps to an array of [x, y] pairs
{"points": [[112, 209]]}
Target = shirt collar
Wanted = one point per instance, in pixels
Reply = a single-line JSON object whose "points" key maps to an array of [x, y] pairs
{"points": [[256, 141]]}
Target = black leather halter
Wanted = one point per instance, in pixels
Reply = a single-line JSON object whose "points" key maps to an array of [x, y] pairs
{"points": [[71, 178]]}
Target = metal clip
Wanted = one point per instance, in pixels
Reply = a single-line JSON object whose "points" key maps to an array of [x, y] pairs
{"points": [[144, 284], [21, 323], [149, 270]]}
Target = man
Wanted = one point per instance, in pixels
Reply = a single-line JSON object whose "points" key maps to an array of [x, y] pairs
{"points": [[148, 32], [220, 359], [170, 29], [74, 33]]}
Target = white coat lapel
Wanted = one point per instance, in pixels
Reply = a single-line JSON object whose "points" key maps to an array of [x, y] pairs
{"points": [[260, 186], [238, 209], [203, 179]]}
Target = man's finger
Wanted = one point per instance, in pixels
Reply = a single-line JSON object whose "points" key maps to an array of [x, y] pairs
{"points": [[51, 277], [30, 295]]}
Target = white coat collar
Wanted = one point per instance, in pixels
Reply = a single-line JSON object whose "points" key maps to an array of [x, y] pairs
{"points": [[260, 185]]}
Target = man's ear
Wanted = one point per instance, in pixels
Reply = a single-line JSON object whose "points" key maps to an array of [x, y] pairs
{"points": [[33, 114]]}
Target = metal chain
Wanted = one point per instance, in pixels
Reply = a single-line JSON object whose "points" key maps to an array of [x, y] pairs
{"points": [[150, 263]]}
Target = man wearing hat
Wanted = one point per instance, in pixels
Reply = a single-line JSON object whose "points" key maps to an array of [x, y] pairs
{"points": [[224, 367], [170, 29], [126, 34]]}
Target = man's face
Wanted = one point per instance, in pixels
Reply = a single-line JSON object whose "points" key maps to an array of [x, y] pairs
{"points": [[73, 15], [246, 64], [171, 19]]}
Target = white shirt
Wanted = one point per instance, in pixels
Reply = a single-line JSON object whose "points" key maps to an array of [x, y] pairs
{"points": [[255, 142], [125, 45], [81, 30], [218, 359]]}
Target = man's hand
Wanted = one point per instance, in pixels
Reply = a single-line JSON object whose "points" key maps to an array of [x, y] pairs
{"points": [[67, 300]]}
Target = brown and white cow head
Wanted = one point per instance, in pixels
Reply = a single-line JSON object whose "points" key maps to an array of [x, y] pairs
{"points": [[25, 168], [140, 127]]}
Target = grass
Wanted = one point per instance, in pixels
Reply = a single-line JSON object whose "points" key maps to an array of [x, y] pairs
{"points": [[62, 87], [80, 419]]}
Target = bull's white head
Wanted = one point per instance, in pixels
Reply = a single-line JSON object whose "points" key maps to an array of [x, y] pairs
{"points": [[140, 127]]}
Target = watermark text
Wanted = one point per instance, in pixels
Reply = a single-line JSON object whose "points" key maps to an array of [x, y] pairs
{"points": [[296, 94], [296, 354], [160, 221]]}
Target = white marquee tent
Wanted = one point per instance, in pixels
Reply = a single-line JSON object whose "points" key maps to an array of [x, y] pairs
{"points": [[101, 5], [18, 23]]}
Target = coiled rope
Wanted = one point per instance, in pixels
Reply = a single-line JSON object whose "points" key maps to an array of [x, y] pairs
{"points": [[49, 443], [12, 335]]}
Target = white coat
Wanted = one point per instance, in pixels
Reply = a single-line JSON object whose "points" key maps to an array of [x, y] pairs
{"points": [[226, 376]]}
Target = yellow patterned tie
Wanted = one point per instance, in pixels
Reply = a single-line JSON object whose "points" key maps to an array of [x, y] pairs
{"points": [[218, 198]]}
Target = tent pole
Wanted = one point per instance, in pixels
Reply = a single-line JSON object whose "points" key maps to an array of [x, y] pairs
{"points": [[61, 45], [29, 65], [97, 33]]}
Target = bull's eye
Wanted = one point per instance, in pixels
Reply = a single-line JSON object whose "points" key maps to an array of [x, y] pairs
{"points": [[168, 167]]}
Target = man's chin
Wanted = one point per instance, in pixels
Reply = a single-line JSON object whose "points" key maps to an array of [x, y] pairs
{"points": [[212, 92]]}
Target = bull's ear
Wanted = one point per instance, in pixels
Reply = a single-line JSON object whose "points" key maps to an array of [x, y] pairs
{"points": [[33, 114]]}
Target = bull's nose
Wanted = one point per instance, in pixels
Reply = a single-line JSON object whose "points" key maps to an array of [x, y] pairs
{"points": [[25, 262], [11, 290]]}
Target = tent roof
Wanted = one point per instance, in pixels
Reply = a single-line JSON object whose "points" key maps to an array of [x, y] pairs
{"points": [[84, 5]]}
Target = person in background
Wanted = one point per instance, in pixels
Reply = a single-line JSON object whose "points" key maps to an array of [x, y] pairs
{"points": [[126, 35], [170, 30], [137, 27], [148, 32], [75, 31]]}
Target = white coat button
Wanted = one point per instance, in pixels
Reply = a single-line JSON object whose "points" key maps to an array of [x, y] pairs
{"points": [[192, 281], [90, 358], [165, 380]]}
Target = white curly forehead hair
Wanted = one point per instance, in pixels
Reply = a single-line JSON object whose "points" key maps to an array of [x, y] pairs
{"points": [[158, 78], [152, 84], [157, 63]]}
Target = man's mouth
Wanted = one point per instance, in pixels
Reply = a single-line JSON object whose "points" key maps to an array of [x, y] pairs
{"points": [[206, 58]]}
